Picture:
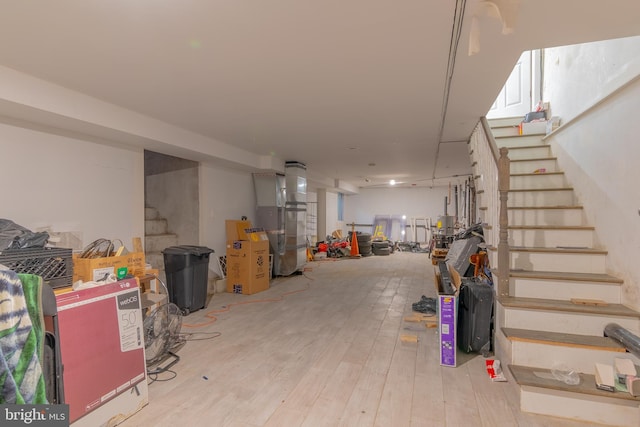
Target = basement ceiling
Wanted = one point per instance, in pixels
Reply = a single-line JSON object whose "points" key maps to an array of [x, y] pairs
{"points": [[360, 91]]}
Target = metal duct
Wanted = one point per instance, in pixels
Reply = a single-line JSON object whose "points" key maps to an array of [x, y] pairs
{"points": [[281, 202], [270, 206], [624, 336], [295, 254]]}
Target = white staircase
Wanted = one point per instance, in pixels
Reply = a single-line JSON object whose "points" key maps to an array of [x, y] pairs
{"points": [[554, 258], [157, 238]]}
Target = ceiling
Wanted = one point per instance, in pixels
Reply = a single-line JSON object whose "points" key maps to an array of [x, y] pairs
{"points": [[361, 91]]}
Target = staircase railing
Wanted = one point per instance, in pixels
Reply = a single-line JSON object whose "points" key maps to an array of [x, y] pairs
{"points": [[492, 169]]}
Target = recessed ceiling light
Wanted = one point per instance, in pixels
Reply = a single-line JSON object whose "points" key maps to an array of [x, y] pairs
{"points": [[392, 182]]}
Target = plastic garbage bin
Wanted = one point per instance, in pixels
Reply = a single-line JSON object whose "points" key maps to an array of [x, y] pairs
{"points": [[187, 271]]}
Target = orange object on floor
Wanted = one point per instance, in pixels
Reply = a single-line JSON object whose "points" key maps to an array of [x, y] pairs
{"points": [[355, 251]]}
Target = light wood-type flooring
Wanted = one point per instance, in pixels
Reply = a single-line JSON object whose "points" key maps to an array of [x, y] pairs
{"points": [[324, 349]]}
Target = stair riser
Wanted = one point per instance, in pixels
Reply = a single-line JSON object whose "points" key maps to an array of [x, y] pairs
{"points": [[571, 323], [554, 261], [155, 226], [520, 141], [546, 238], [541, 198], [606, 411], [505, 131], [564, 290], [538, 181], [155, 259], [547, 217], [533, 152], [530, 166], [539, 355], [159, 243], [151, 213], [504, 121], [551, 238]]}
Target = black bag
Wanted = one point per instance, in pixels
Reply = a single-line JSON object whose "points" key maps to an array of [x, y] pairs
{"points": [[475, 314]]}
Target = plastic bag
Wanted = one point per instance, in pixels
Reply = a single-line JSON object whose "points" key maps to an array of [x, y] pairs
{"points": [[14, 236]]}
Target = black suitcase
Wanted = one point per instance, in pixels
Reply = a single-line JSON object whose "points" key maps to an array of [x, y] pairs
{"points": [[475, 315]]}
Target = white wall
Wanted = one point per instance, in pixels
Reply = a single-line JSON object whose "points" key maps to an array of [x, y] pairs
{"points": [[224, 194], [577, 76], [71, 185], [413, 202], [599, 150]]}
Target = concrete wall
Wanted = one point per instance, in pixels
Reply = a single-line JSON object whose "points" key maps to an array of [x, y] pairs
{"points": [[599, 149], [175, 194], [70, 185], [224, 194]]}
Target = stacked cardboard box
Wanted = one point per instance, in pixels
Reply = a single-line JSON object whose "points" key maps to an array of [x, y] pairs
{"points": [[247, 258]]}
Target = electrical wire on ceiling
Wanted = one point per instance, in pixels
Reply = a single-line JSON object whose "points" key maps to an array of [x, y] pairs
{"points": [[456, 31]]}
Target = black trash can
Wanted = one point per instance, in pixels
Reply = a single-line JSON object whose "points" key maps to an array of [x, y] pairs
{"points": [[187, 271]]}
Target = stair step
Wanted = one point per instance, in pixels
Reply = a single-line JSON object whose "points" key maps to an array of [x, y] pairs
{"points": [[541, 197], [547, 215], [543, 349], [571, 340], [615, 310], [559, 259], [551, 236], [509, 130], [151, 213], [525, 181], [156, 259], [155, 226], [159, 242], [550, 164], [511, 141], [564, 316], [564, 285], [542, 394], [504, 121], [566, 276], [525, 152]]}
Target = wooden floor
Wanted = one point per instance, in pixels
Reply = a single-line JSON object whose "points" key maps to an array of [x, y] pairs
{"points": [[324, 349]]}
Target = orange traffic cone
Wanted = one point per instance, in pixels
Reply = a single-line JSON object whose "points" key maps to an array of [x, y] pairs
{"points": [[355, 252]]}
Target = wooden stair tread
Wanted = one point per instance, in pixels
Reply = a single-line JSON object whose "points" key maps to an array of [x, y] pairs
{"points": [[530, 190], [551, 227], [545, 207], [533, 159], [536, 174], [565, 276], [562, 339], [522, 147], [514, 136], [525, 375], [618, 310], [559, 250]]}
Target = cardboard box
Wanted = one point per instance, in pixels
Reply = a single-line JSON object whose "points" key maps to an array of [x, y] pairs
{"points": [[236, 230], [104, 367], [248, 265], [447, 319], [90, 269], [447, 312]]}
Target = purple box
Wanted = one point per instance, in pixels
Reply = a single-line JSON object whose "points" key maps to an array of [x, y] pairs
{"points": [[447, 321]]}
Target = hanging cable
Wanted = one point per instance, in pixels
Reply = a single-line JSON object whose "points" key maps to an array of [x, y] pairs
{"points": [[456, 31]]}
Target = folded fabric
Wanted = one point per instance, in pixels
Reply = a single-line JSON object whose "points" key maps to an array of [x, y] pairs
{"points": [[21, 339]]}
